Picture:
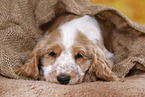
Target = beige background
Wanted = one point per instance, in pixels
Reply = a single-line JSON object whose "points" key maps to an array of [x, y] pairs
{"points": [[133, 9]]}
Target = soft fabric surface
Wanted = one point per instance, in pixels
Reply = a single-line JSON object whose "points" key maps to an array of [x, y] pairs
{"points": [[133, 86], [20, 22]]}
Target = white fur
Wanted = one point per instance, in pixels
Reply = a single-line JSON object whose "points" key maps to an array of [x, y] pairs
{"points": [[65, 63], [86, 24], [68, 34]]}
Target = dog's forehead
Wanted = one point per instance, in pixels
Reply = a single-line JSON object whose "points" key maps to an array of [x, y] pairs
{"points": [[86, 27], [83, 30], [68, 36]]}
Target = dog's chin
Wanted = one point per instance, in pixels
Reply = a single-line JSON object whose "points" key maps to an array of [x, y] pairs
{"points": [[74, 80]]}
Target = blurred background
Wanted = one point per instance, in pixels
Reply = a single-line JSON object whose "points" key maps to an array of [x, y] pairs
{"points": [[133, 9]]}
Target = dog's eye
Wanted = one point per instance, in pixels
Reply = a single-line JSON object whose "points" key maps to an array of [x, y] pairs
{"points": [[52, 54], [78, 56]]}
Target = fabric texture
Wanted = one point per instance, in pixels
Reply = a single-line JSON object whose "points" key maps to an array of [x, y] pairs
{"points": [[20, 22], [133, 86]]}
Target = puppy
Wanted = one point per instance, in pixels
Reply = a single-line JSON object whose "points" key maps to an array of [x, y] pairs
{"points": [[72, 46]]}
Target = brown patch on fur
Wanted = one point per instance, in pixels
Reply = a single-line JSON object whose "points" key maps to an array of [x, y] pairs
{"points": [[56, 22], [49, 42], [53, 37], [49, 60], [30, 68], [101, 67], [82, 46], [82, 39]]}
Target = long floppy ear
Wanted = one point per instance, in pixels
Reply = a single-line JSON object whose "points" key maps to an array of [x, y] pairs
{"points": [[101, 67], [30, 68]]}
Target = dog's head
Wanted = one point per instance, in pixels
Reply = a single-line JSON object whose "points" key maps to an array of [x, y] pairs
{"points": [[66, 55]]}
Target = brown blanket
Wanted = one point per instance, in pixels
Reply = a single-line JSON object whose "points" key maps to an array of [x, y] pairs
{"points": [[133, 86], [20, 22]]}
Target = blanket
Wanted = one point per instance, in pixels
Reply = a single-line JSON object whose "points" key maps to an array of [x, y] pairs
{"points": [[134, 86], [22, 24]]}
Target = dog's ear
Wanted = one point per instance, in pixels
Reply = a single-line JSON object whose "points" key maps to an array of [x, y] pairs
{"points": [[30, 68], [101, 67]]}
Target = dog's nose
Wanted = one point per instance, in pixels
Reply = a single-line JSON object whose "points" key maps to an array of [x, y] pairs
{"points": [[63, 79]]}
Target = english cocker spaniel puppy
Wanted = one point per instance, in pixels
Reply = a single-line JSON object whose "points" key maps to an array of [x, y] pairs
{"points": [[72, 46]]}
